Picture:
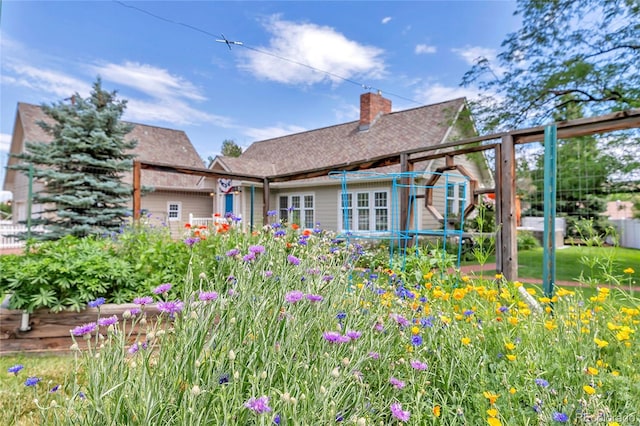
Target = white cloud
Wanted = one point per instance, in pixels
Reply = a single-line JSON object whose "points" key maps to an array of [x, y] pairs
{"points": [[5, 142], [44, 80], [471, 54], [319, 47], [422, 49], [386, 19], [347, 112], [155, 82], [260, 134], [5, 196], [434, 93], [174, 111]]}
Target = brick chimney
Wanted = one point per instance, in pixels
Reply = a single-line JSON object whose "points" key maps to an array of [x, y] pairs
{"points": [[372, 106]]}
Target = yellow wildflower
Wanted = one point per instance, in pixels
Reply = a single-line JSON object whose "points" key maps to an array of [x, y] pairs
{"points": [[511, 357], [492, 412], [550, 325], [415, 330], [589, 389], [498, 276], [492, 397], [512, 391], [592, 371], [629, 271], [465, 340], [509, 346], [493, 421], [437, 410], [600, 343]]}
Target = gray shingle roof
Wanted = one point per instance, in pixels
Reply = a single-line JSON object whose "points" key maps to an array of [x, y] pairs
{"points": [[391, 133]]}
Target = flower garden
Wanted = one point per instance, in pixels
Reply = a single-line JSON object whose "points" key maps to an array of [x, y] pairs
{"points": [[287, 326]]}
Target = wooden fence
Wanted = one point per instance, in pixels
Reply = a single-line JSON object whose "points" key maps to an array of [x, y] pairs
{"points": [[51, 332]]}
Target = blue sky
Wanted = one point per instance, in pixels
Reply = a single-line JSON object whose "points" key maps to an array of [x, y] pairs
{"points": [[174, 74]]}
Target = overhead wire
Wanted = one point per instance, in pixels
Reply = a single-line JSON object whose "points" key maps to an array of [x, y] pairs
{"points": [[264, 52]]}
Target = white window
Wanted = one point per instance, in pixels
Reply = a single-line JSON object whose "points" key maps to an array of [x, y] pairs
{"points": [[371, 211], [456, 198], [174, 210], [298, 209]]}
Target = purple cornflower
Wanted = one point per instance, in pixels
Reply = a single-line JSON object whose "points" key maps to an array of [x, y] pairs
{"points": [[258, 405], [279, 233], [162, 288], [136, 347], [353, 335], [542, 382], [341, 315], [427, 322], [399, 413], [107, 321], [276, 419], [335, 337], [378, 326], [294, 296], [416, 340], [374, 355], [207, 296], [145, 300], [190, 241], [54, 389], [272, 213], [171, 307], [327, 278], [418, 365], [293, 260], [397, 383], [256, 249], [83, 329], [560, 417], [96, 303], [15, 369], [249, 257], [402, 321], [468, 312], [268, 274], [314, 298], [503, 309], [32, 381], [134, 311], [233, 252]]}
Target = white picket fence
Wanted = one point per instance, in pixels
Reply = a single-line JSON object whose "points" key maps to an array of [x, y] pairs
{"points": [[9, 229]]}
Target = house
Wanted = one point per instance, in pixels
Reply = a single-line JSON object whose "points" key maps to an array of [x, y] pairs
{"points": [[377, 133], [173, 197]]}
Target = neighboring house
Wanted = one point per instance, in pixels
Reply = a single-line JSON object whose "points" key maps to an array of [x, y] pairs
{"points": [[619, 210], [379, 132], [174, 197]]}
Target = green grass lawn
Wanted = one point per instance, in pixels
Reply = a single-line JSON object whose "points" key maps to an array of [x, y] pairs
{"points": [[571, 261], [593, 263], [16, 398]]}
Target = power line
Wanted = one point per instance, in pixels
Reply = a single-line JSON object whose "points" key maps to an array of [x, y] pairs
{"points": [[229, 43]]}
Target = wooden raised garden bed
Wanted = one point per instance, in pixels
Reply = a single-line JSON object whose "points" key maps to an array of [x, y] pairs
{"points": [[50, 332]]}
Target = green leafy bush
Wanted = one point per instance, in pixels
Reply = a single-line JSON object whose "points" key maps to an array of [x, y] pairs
{"points": [[526, 240], [67, 273]]}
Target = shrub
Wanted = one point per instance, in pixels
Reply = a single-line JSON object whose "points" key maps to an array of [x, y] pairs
{"points": [[526, 240]]}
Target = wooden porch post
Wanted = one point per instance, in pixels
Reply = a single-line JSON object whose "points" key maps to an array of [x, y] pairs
{"points": [[508, 227], [265, 201], [405, 168], [137, 190]]}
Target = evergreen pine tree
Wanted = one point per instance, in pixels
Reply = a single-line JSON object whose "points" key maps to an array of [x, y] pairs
{"points": [[82, 166]]}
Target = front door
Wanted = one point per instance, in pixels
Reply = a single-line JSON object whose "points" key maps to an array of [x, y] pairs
{"points": [[228, 203]]}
